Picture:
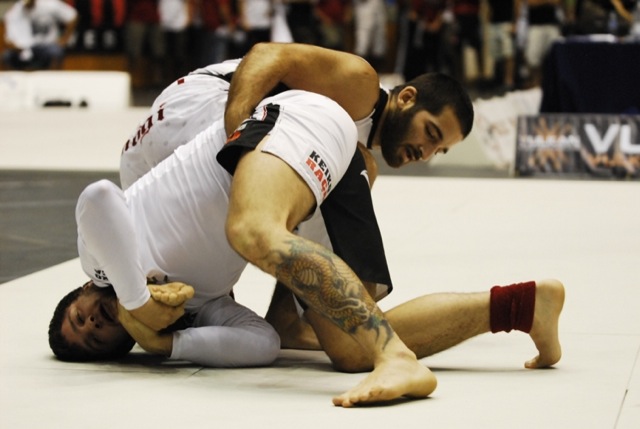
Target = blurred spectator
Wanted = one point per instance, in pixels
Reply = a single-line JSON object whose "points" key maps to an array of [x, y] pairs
{"points": [[144, 41], [255, 18], [302, 21], [32, 34], [635, 26], [403, 10], [468, 32], [211, 32], [604, 16], [501, 18], [175, 19], [425, 37], [280, 31], [370, 30], [332, 14], [543, 29], [100, 25]]}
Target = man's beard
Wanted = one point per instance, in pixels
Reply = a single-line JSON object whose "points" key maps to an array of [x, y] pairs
{"points": [[393, 131]]}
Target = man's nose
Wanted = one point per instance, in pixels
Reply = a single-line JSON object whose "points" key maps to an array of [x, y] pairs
{"points": [[426, 153], [95, 321]]}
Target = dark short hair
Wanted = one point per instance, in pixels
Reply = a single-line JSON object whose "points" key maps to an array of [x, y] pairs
{"points": [[68, 352], [437, 91]]}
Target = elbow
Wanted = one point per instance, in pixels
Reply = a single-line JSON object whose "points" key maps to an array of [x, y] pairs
{"points": [[263, 49], [247, 239], [95, 196]]}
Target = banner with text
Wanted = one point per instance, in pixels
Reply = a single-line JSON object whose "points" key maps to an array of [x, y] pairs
{"points": [[592, 144]]}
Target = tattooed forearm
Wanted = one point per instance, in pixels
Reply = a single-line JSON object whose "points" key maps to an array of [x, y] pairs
{"points": [[328, 286]]}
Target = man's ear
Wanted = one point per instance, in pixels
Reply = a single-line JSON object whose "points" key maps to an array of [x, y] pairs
{"points": [[407, 97], [88, 285]]}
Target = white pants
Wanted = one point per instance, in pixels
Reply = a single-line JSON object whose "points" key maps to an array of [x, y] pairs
{"points": [[370, 27]]}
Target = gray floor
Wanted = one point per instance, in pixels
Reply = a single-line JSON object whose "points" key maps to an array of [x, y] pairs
{"points": [[37, 218], [37, 210]]}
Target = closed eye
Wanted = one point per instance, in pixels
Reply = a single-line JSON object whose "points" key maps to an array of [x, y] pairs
{"points": [[433, 132]]}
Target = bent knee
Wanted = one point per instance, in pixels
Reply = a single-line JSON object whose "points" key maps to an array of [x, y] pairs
{"points": [[254, 239], [245, 237], [269, 348]]}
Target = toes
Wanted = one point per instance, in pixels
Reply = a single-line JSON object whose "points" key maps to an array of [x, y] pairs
{"points": [[172, 298], [341, 401], [347, 400], [538, 363], [351, 399], [188, 291], [532, 364]]}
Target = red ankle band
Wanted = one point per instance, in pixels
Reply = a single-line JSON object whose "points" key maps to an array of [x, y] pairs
{"points": [[511, 307]]}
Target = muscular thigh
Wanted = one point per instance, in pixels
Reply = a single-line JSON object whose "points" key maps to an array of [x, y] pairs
{"points": [[267, 192], [294, 150]]}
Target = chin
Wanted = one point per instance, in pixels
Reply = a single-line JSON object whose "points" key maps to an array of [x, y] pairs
{"points": [[393, 161]]}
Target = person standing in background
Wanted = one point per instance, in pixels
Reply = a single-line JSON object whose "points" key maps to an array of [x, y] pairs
{"points": [[370, 31], [175, 18], [468, 31], [255, 18], [543, 29], [211, 32], [32, 34], [501, 40], [425, 37], [143, 30], [302, 21], [331, 14]]}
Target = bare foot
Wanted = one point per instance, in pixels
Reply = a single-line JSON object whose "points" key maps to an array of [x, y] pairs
{"points": [[544, 332], [390, 380], [173, 294]]}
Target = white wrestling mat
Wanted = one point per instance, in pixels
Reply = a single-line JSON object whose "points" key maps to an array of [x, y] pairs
{"points": [[441, 235]]}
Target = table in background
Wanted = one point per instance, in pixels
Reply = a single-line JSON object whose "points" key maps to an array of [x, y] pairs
{"points": [[585, 76]]}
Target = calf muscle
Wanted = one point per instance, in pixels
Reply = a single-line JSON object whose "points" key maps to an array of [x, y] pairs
{"points": [[325, 282]]}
